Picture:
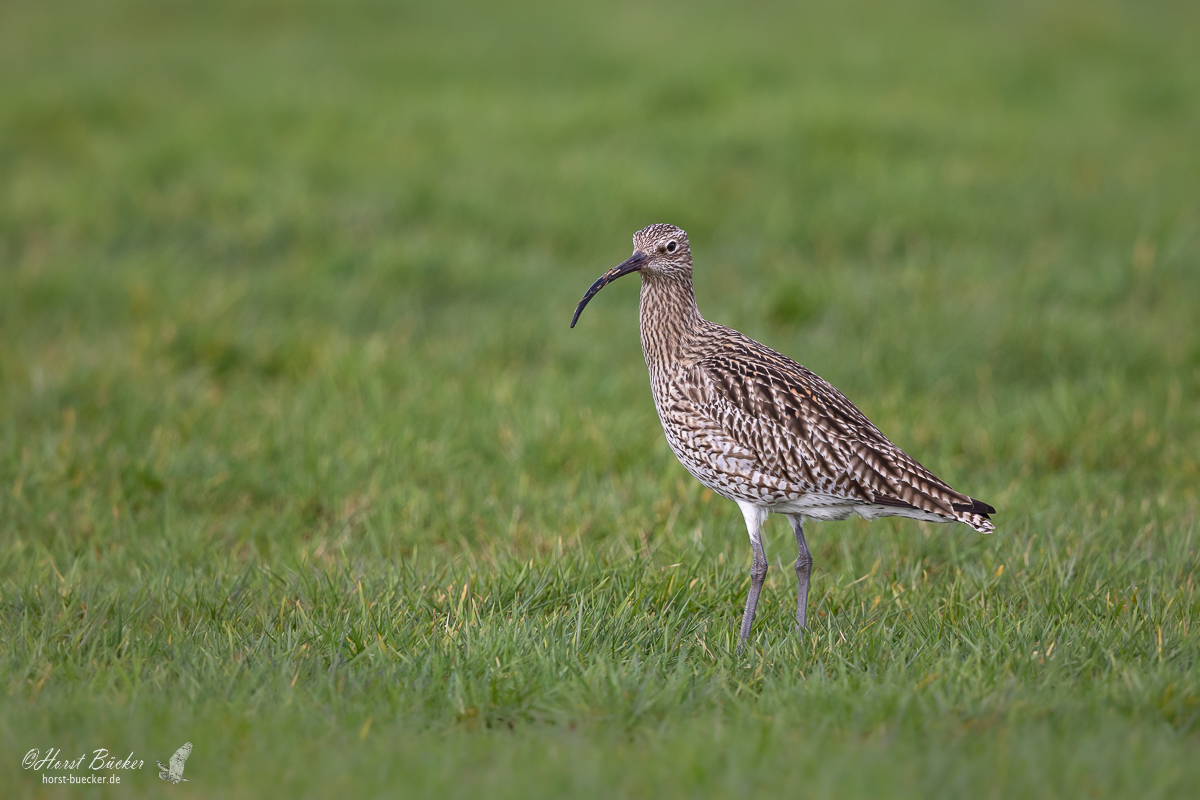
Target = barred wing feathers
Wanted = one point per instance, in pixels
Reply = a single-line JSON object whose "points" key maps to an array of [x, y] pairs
{"points": [[805, 432]]}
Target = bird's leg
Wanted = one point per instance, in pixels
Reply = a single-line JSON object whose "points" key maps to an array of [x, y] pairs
{"points": [[755, 516], [803, 567]]}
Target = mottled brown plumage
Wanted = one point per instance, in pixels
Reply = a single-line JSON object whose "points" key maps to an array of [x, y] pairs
{"points": [[760, 429]]}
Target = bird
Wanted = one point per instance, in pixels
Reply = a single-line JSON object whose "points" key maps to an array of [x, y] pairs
{"points": [[174, 773], [757, 428]]}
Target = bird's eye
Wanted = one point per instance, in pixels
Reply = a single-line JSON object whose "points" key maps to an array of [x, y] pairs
{"points": [[671, 247]]}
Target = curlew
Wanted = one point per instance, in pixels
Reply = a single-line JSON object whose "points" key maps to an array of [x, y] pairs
{"points": [[763, 431]]}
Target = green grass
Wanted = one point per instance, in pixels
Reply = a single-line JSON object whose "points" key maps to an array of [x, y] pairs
{"points": [[300, 462]]}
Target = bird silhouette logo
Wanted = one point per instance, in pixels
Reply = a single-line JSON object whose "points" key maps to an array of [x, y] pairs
{"points": [[174, 772]]}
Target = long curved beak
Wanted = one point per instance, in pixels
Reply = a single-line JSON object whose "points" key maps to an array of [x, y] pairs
{"points": [[631, 264]]}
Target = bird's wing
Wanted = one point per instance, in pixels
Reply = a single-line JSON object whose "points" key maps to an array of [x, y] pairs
{"points": [[728, 417], [181, 755], [800, 427], [702, 435]]}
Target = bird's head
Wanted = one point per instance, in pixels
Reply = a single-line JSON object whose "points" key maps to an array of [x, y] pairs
{"points": [[660, 250]]}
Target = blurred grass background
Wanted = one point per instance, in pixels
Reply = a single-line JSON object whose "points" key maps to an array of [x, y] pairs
{"points": [[299, 460]]}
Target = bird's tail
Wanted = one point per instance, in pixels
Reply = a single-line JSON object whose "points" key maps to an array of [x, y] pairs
{"points": [[975, 514]]}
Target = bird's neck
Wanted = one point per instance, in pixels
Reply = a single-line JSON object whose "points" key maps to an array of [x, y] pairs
{"points": [[668, 317]]}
